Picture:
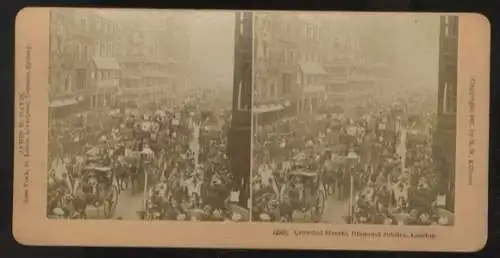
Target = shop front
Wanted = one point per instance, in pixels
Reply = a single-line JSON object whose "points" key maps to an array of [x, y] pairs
{"points": [[270, 113], [65, 106]]}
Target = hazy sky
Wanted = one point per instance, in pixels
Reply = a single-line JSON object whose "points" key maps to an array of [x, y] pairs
{"points": [[212, 47], [418, 50], [409, 43]]}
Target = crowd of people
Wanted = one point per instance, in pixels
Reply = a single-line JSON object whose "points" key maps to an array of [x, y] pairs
{"points": [[176, 156], [376, 158]]}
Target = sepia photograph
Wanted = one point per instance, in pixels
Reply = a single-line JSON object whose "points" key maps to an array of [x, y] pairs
{"points": [[288, 130], [141, 117], [354, 119]]}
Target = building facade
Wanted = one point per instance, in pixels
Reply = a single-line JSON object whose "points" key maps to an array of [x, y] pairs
{"points": [[444, 139], [304, 62], [352, 76], [103, 72], [311, 73], [98, 57], [288, 75], [274, 62], [71, 43], [154, 59]]}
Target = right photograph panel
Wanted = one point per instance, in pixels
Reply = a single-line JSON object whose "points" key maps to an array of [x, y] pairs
{"points": [[354, 118]]}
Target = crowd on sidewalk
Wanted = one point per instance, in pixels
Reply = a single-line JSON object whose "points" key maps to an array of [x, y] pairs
{"points": [[393, 176], [176, 156]]}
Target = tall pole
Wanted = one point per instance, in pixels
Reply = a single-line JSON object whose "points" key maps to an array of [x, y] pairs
{"points": [[351, 195], [240, 136], [146, 190], [403, 149]]}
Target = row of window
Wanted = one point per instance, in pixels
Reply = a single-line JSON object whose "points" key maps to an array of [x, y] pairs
{"points": [[87, 23], [311, 79], [104, 48], [104, 74], [291, 27], [107, 48], [288, 56], [265, 90], [65, 83]]}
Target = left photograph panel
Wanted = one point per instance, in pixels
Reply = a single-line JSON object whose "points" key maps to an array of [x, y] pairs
{"points": [[147, 115]]}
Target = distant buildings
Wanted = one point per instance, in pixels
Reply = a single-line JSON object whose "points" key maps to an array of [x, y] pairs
{"points": [[289, 78], [98, 57], [303, 62], [154, 57]]}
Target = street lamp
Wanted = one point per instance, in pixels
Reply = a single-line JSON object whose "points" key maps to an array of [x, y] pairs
{"points": [[352, 162]]}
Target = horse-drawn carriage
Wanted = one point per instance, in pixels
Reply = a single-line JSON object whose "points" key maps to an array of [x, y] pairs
{"points": [[302, 191], [97, 186], [94, 185]]}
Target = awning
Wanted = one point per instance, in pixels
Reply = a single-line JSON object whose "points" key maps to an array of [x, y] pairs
{"points": [[65, 102], [267, 108], [312, 68], [106, 63]]}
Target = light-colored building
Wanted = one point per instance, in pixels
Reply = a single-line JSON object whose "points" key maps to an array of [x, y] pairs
{"points": [[355, 68], [275, 60], [103, 70], [98, 57], [289, 77], [154, 55], [311, 74], [83, 71]]}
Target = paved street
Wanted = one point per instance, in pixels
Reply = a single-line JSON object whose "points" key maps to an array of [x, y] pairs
{"points": [[129, 205], [126, 209], [334, 212]]}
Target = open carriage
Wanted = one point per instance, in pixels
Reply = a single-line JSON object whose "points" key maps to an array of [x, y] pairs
{"points": [[304, 191], [97, 187]]}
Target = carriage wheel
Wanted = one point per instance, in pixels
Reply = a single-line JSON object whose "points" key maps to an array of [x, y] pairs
{"points": [[318, 208], [117, 184], [111, 202], [326, 190]]}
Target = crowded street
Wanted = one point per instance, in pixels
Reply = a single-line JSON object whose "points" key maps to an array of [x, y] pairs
{"points": [[368, 165], [146, 162], [142, 128]]}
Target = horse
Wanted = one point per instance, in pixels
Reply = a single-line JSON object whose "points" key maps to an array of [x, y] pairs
{"points": [[121, 173]]}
